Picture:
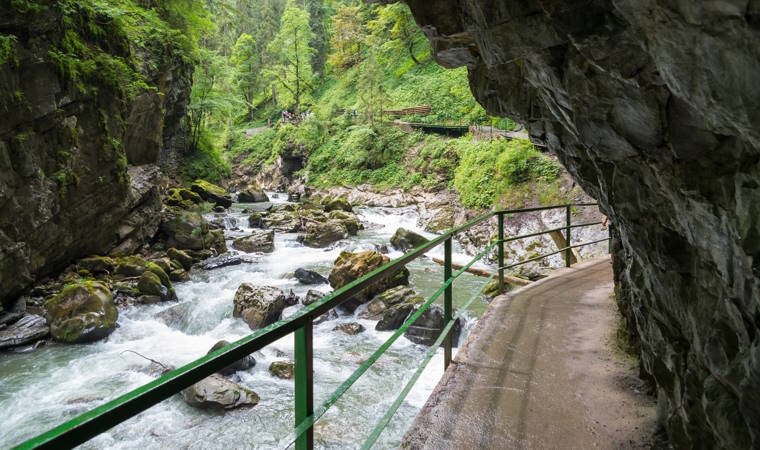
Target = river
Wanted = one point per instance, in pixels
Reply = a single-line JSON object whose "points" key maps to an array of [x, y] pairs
{"points": [[44, 387]]}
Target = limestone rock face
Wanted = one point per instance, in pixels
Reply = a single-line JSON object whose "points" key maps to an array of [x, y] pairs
{"points": [[81, 312], [653, 108], [66, 145]]}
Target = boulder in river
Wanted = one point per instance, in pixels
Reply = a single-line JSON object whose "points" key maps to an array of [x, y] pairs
{"points": [[351, 266], [349, 220], [259, 306], [311, 297], [306, 276], [217, 262], [258, 241], [350, 328], [252, 194], [217, 392], [404, 239], [189, 231], [322, 234], [338, 204], [211, 193], [244, 363], [392, 307], [429, 325], [150, 286], [25, 330], [81, 312], [181, 257], [282, 369], [284, 221], [256, 220]]}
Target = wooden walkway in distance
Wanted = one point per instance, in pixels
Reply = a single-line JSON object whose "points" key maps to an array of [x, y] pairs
{"points": [[539, 371]]}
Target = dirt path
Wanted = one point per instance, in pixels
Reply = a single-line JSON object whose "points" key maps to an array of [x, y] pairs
{"points": [[540, 370]]}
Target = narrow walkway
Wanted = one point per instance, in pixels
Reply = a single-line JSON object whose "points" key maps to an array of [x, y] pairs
{"points": [[539, 371]]}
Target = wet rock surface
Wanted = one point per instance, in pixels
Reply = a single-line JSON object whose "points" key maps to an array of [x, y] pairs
{"points": [[405, 239], [259, 306], [258, 241], [350, 328], [81, 312], [652, 108], [306, 276], [217, 392], [282, 369], [426, 329], [241, 364], [24, 330], [351, 266]]}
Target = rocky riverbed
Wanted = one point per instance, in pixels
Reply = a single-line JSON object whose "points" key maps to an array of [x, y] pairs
{"points": [[173, 306]]}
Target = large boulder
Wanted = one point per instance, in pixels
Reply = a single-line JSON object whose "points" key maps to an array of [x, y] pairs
{"points": [[429, 325], [211, 193], [183, 198], [81, 312], [153, 283], [404, 239], [284, 221], [252, 194], [244, 363], [338, 204], [258, 241], [187, 230], [351, 266], [349, 220], [306, 276], [217, 392], [322, 234], [181, 257], [259, 306], [24, 330], [392, 307], [282, 369]]}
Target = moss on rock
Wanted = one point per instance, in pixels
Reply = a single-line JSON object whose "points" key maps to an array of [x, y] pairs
{"points": [[81, 312]]}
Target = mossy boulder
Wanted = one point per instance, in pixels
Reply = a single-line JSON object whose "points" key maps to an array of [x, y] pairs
{"points": [[183, 198], [181, 257], [322, 234], [211, 193], [392, 307], [338, 204], [256, 220], [217, 392], [404, 239], [349, 220], [152, 288], [283, 221], [351, 266], [81, 312], [259, 306], [185, 230], [253, 194], [258, 241], [282, 369], [96, 264]]}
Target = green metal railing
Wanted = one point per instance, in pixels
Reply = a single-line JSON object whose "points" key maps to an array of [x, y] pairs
{"points": [[96, 421]]}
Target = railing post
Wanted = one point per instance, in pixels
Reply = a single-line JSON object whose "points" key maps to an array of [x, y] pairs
{"points": [[501, 253], [447, 294], [304, 381], [568, 250]]}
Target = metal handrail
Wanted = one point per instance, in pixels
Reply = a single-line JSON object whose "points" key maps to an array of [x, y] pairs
{"points": [[89, 424]]}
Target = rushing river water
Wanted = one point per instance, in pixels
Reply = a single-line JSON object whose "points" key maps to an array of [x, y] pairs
{"points": [[44, 387]]}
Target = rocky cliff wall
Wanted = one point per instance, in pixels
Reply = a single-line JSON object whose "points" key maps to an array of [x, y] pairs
{"points": [[653, 107], [83, 121]]}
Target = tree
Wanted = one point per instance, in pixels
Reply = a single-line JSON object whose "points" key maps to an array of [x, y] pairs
{"points": [[371, 91], [247, 70], [346, 37], [319, 43], [292, 53], [205, 97], [395, 21]]}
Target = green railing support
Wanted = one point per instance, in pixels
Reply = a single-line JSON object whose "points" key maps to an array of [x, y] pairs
{"points": [[304, 381], [501, 252], [568, 250], [447, 300]]}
